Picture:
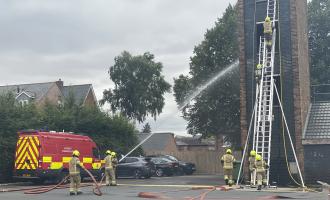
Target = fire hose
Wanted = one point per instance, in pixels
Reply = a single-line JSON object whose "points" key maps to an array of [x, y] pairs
{"points": [[96, 189]]}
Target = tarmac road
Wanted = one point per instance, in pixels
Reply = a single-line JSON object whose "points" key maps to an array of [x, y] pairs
{"points": [[177, 187]]}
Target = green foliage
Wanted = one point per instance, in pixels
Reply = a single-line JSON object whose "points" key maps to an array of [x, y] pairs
{"points": [[319, 40], [216, 110], [139, 86], [109, 132], [146, 128]]}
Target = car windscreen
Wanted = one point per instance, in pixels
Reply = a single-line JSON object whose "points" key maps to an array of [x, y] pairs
{"points": [[172, 158]]}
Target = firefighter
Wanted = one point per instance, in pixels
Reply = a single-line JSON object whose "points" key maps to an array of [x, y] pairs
{"points": [[260, 166], [252, 160], [74, 172], [258, 72], [114, 164], [108, 168], [227, 162], [268, 33]]}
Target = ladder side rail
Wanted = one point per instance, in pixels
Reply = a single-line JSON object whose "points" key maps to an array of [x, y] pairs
{"points": [[271, 102], [258, 84]]}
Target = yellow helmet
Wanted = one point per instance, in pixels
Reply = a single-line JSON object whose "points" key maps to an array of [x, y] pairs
{"points": [[253, 153], [113, 153], [108, 152], [228, 151], [76, 153], [267, 19], [259, 66], [258, 157]]}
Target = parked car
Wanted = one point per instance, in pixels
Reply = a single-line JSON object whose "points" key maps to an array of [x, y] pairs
{"points": [[184, 167], [164, 166], [136, 167]]}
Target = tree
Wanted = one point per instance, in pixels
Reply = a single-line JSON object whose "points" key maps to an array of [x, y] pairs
{"points": [[139, 86], [319, 40], [146, 128], [215, 112]]}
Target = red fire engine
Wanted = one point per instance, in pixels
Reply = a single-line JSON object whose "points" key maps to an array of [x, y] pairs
{"points": [[45, 155]]}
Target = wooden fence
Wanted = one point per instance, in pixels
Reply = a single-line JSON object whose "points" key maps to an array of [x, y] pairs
{"points": [[206, 161]]}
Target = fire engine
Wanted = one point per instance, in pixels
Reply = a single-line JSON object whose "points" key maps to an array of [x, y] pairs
{"points": [[44, 155]]}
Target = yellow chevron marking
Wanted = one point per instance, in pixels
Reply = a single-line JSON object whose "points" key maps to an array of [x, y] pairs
{"points": [[27, 150], [37, 140], [35, 149], [35, 160], [23, 152], [22, 145], [26, 156]]}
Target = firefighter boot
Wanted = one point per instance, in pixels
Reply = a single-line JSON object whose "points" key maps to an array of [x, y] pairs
{"points": [[72, 193], [79, 192], [226, 181], [259, 187], [230, 183]]}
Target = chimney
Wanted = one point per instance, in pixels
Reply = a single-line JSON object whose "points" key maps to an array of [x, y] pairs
{"points": [[59, 84]]}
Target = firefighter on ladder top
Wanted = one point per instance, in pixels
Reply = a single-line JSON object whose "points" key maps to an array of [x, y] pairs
{"points": [[258, 72], [268, 33]]}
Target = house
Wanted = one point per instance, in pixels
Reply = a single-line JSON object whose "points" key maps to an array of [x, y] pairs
{"points": [[53, 92]]}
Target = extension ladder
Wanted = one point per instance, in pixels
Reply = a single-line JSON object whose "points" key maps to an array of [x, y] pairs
{"points": [[264, 95]]}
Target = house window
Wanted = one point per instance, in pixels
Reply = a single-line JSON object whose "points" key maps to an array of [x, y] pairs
{"points": [[24, 102]]}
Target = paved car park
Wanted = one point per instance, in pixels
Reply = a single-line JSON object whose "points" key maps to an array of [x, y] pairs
{"points": [[176, 187]]}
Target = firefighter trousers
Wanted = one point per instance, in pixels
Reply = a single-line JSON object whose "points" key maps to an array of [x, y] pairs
{"points": [[261, 178], [228, 174], [253, 176], [75, 181], [110, 177]]}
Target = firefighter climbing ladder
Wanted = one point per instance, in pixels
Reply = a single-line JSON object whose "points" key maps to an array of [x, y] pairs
{"points": [[263, 108]]}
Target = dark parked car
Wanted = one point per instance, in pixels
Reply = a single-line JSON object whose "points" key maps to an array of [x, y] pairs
{"points": [[184, 167], [136, 167], [164, 166]]}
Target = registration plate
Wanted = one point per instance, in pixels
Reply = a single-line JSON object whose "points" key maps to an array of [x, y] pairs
{"points": [[26, 175]]}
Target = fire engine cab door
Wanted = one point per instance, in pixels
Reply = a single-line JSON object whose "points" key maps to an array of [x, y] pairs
{"points": [[27, 153]]}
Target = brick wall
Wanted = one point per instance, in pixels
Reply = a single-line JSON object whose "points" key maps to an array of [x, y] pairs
{"points": [[300, 67], [90, 99], [52, 96]]}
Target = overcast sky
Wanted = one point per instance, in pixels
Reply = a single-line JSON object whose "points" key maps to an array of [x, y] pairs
{"points": [[77, 40]]}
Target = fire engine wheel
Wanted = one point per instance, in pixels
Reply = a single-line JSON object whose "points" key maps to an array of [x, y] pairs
{"points": [[38, 181], [61, 176], [159, 172], [137, 174]]}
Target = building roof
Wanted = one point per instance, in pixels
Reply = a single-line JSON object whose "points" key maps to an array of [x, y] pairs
{"points": [[79, 92], [193, 141], [157, 142], [318, 126], [37, 90]]}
